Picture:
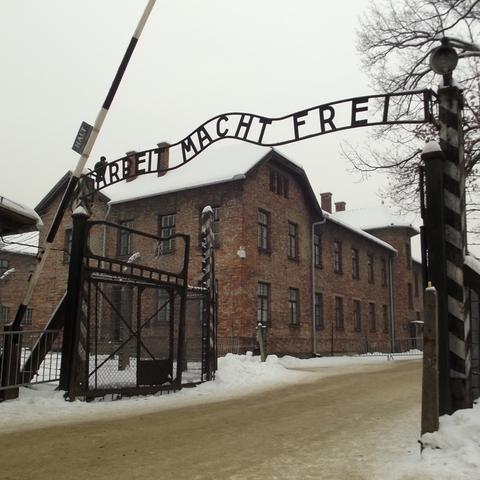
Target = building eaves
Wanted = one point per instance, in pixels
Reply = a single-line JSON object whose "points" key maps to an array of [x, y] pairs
{"points": [[334, 219]]}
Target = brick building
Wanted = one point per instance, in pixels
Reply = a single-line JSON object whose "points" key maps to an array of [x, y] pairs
{"points": [[17, 261], [316, 280]]}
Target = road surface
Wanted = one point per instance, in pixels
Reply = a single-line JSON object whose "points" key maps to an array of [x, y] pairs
{"points": [[345, 425]]}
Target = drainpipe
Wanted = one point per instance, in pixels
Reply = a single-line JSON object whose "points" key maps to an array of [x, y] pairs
{"points": [[314, 327], [392, 310], [104, 252]]}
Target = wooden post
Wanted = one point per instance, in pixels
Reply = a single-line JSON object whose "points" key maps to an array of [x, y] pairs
{"points": [[430, 393]]}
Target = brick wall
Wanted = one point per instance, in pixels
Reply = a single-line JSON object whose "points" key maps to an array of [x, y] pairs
{"points": [[14, 286]]}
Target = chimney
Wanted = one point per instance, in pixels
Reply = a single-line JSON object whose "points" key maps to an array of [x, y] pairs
{"points": [[340, 206], [164, 160], [131, 156], [326, 199]]}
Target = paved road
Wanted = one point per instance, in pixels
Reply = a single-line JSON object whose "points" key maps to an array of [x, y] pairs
{"points": [[333, 427]]}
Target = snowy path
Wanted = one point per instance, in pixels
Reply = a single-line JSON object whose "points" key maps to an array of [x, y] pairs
{"points": [[356, 422]]}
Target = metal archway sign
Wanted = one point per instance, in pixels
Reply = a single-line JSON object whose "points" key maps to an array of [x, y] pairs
{"points": [[416, 108]]}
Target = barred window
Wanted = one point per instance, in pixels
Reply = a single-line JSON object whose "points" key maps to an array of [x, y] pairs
{"points": [[371, 314], [292, 240], [5, 312], [3, 266], [337, 256], [263, 230], [293, 306], [319, 320], [167, 228], [357, 321], [383, 271], [339, 313], [317, 250], [355, 263], [125, 241], [263, 303], [370, 265]]}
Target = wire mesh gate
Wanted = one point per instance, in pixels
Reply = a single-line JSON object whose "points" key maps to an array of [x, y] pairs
{"points": [[126, 311]]}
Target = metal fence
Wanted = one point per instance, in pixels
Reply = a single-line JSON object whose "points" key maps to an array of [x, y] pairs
{"points": [[367, 346], [21, 351]]}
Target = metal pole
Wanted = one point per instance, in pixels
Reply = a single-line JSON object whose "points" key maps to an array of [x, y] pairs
{"points": [[433, 159], [458, 304], [314, 326], [43, 252], [430, 413]]}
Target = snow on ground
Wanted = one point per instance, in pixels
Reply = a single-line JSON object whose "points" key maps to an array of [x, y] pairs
{"points": [[451, 453]]}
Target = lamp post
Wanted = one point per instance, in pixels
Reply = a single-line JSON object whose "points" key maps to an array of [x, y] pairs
{"points": [[446, 237]]}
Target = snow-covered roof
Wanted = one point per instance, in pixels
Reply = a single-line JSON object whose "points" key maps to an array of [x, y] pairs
{"points": [[473, 262], [24, 243], [215, 165], [340, 221], [16, 217], [373, 218]]}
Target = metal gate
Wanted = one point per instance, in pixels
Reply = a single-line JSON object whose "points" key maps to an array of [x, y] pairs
{"points": [[126, 309]]}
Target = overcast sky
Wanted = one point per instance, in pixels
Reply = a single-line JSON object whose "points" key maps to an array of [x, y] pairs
{"points": [[195, 59]]}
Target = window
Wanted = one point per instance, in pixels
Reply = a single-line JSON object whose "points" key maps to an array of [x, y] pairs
{"points": [[67, 245], [410, 296], [408, 253], [371, 315], [339, 313], [317, 250], [370, 267], [279, 184], [383, 271], [263, 230], [385, 318], [28, 317], [216, 226], [5, 314], [3, 266], [293, 306], [164, 307], [357, 324], [337, 256], [319, 321], [263, 303], [166, 225], [292, 240], [125, 241], [355, 263]]}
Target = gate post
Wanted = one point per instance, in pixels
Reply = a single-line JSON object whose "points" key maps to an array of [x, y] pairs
{"points": [[451, 143], [73, 297], [208, 280]]}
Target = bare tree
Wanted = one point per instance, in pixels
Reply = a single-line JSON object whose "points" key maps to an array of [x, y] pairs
{"points": [[395, 38]]}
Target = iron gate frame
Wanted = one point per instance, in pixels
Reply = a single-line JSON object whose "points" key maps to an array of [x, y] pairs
{"points": [[87, 268]]}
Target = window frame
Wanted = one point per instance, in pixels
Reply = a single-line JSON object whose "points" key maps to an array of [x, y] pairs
{"points": [[125, 239], [357, 315], [339, 314], [263, 303], [371, 267], [337, 256], [383, 271], [263, 230], [319, 317], [372, 316], [317, 250], [167, 246], [294, 306], [355, 263], [292, 240]]}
